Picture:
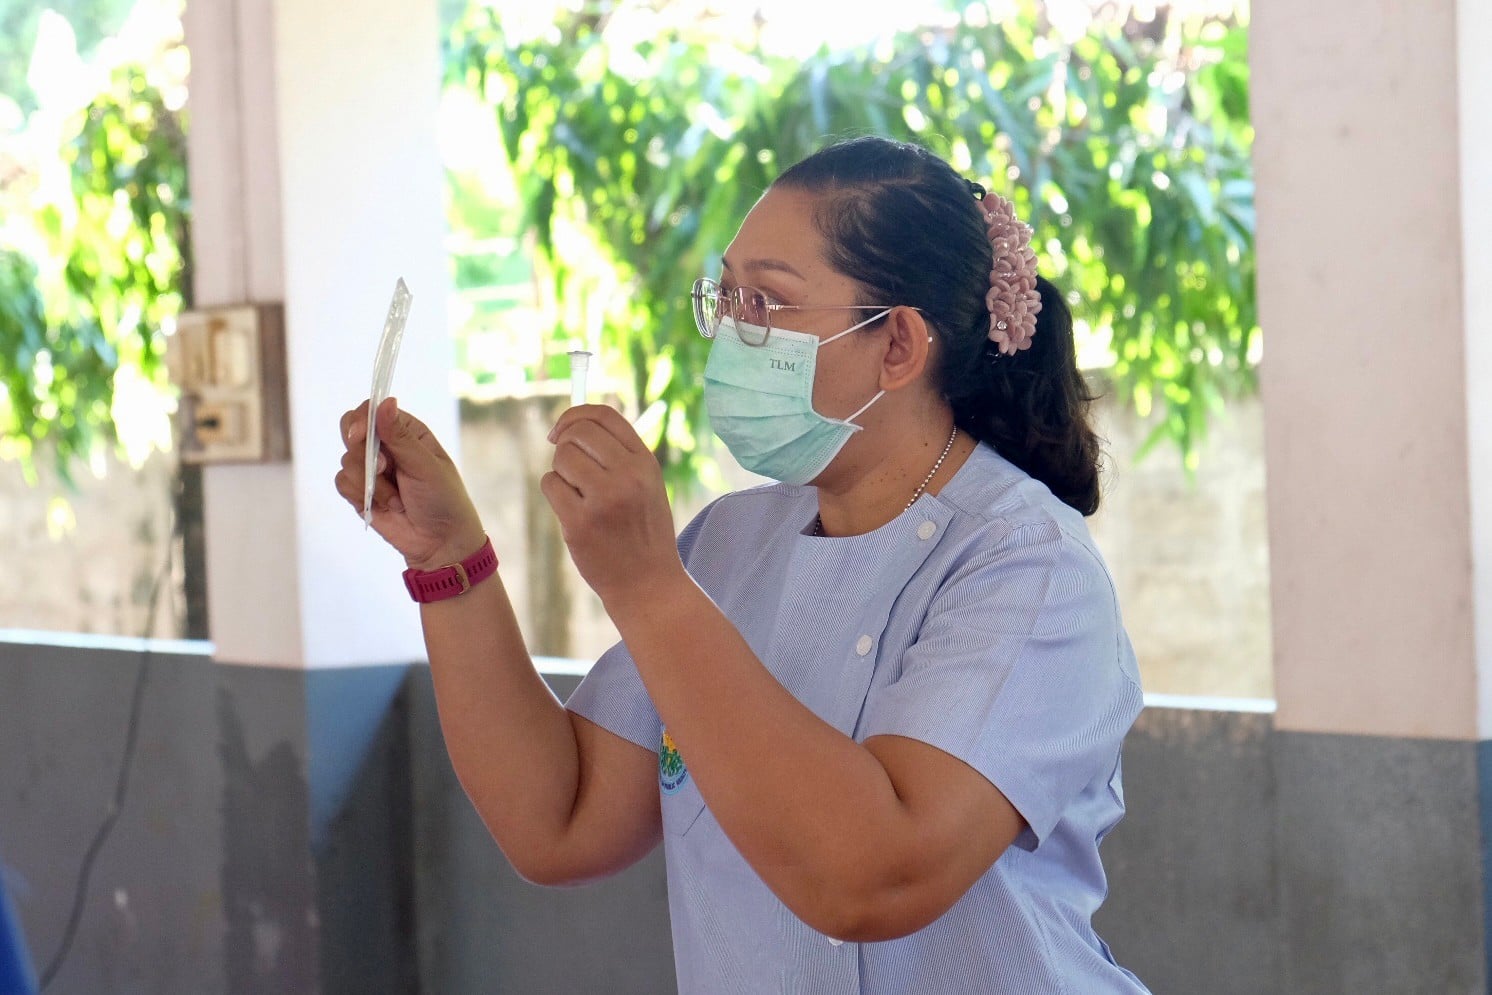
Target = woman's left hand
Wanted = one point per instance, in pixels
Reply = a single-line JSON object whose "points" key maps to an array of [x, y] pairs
{"points": [[607, 491]]}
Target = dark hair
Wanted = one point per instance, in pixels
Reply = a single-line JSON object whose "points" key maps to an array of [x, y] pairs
{"points": [[899, 221]]}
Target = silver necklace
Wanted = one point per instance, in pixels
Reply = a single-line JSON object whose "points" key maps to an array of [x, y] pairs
{"points": [[818, 522]]}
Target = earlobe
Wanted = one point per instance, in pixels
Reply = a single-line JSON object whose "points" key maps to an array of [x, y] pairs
{"points": [[908, 349]]}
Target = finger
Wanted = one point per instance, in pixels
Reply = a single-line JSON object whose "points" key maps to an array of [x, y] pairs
{"points": [[577, 469], [409, 442], [354, 462], [390, 409], [355, 472], [354, 425], [606, 417], [386, 494], [385, 491], [563, 498], [345, 487], [349, 484], [595, 442]]}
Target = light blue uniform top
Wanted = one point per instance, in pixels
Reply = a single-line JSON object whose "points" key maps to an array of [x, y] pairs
{"points": [[982, 621]]}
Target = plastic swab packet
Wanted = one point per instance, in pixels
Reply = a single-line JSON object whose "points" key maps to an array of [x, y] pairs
{"points": [[383, 378]]}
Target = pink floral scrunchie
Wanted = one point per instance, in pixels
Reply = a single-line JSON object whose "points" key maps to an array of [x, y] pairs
{"points": [[1013, 299]]}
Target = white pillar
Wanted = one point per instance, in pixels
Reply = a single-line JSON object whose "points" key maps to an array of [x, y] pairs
{"points": [[1372, 162], [315, 180], [1474, 72]]}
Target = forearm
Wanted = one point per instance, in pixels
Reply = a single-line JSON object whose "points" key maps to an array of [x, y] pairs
{"points": [[564, 798], [810, 809], [509, 738]]}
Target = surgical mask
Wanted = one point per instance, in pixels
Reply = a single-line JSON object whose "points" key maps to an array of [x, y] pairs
{"points": [[760, 401]]}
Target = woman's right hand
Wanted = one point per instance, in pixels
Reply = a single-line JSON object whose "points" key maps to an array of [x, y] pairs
{"points": [[420, 505]]}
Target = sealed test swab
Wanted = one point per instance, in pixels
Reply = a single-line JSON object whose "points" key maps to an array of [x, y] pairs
{"points": [[580, 364], [383, 378]]}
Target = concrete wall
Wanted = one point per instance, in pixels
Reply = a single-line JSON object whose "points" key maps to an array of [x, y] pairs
{"points": [[1254, 860], [82, 560], [482, 928], [295, 831], [285, 832], [232, 867]]}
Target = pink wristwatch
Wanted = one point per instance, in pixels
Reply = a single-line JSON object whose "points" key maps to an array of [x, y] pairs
{"points": [[453, 578]]}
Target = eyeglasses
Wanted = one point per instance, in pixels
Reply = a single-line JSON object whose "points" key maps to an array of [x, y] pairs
{"points": [[749, 306]]}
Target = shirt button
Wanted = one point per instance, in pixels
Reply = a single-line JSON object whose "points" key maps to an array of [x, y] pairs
{"points": [[864, 644], [835, 943], [926, 530]]}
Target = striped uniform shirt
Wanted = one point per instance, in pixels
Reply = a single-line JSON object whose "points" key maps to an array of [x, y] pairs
{"points": [[982, 621]]}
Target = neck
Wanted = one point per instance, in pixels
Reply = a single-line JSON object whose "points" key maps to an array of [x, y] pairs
{"points": [[870, 492]]}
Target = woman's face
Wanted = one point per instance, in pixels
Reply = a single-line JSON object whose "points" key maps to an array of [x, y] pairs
{"points": [[780, 252]]}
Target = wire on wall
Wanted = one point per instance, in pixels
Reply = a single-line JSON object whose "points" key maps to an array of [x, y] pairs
{"points": [[126, 761]]}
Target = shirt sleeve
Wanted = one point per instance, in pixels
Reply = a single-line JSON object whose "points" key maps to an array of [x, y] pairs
{"points": [[612, 694], [1021, 671]]}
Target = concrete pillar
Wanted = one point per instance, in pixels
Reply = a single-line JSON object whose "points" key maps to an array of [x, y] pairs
{"points": [[1371, 399], [1374, 160], [1474, 72], [316, 181]]}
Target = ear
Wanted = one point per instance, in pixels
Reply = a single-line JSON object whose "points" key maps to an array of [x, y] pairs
{"points": [[908, 350]]}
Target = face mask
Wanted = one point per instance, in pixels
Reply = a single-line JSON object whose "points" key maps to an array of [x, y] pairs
{"points": [[760, 401]]}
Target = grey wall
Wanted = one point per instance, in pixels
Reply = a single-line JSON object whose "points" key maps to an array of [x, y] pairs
{"points": [[483, 929], [285, 832], [1193, 883], [1258, 861], [296, 832], [154, 919]]}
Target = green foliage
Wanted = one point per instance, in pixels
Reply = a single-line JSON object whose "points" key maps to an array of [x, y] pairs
{"points": [[19, 19], [101, 270], [1127, 149]]}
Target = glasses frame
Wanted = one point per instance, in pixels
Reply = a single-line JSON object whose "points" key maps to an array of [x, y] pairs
{"points": [[738, 302]]}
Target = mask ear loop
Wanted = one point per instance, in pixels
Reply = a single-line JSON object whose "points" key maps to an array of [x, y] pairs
{"points": [[850, 421], [855, 328]]}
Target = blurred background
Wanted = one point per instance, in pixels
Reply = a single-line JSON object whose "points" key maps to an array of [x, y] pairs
{"points": [[221, 768], [596, 158]]}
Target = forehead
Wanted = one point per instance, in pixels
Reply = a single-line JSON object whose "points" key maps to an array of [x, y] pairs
{"points": [[780, 230]]}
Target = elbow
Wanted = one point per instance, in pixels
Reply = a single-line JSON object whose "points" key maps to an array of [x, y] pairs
{"points": [[546, 863], [551, 864], [539, 858], [871, 905], [544, 873], [869, 921]]}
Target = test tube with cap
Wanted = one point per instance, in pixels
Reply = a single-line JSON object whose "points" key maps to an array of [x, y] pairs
{"points": [[580, 364]]}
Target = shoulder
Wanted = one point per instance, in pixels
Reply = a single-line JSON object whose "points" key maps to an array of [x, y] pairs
{"points": [[748, 514], [995, 503], [1007, 526], [739, 540]]}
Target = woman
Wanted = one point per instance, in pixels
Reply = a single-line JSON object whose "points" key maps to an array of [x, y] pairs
{"points": [[874, 711]]}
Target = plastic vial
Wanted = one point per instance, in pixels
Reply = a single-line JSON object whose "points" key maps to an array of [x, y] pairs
{"points": [[580, 364]]}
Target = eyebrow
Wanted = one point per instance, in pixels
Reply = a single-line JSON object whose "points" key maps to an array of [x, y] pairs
{"points": [[767, 264]]}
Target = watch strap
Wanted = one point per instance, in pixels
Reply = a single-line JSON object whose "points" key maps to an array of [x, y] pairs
{"points": [[452, 579]]}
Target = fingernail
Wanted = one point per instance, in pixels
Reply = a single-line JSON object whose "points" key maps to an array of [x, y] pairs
{"points": [[552, 432], [383, 462], [395, 504]]}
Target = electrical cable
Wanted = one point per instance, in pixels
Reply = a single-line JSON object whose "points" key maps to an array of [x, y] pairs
{"points": [[121, 783]]}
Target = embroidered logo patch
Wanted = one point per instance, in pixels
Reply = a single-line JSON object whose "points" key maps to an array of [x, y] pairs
{"points": [[671, 770]]}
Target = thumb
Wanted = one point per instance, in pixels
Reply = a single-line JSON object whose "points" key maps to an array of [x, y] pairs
{"points": [[411, 446]]}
